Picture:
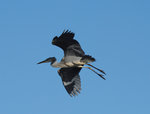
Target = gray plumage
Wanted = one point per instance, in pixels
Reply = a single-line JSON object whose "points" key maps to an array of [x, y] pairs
{"points": [[73, 61]]}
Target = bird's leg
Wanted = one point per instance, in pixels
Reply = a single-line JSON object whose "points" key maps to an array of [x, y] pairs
{"points": [[93, 71], [97, 69]]}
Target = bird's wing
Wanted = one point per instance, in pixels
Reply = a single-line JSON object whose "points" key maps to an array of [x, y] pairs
{"points": [[71, 80], [67, 42]]}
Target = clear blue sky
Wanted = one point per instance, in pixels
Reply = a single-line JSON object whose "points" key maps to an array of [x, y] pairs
{"points": [[115, 32]]}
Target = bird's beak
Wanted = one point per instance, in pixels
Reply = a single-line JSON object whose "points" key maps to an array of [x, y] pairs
{"points": [[41, 62], [45, 61]]}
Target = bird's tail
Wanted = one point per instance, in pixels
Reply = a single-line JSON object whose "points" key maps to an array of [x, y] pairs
{"points": [[87, 59]]}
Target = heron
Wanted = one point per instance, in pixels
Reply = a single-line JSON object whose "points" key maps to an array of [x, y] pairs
{"points": [[73, 61]]}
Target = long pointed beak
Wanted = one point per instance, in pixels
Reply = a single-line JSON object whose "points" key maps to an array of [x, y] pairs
{"points": [[41, 62], [45, 61]]}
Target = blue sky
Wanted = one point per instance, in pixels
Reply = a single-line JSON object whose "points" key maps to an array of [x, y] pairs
{"points": [[115, 32]]}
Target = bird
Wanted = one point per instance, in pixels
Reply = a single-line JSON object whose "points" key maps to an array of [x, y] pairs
{"points": [[73, 61]]}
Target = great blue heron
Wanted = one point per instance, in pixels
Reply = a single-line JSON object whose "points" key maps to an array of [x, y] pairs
{"points": [[73, 61]]}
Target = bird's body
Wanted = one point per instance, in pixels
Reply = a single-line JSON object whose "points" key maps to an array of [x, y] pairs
{"points": [[73, 61]]}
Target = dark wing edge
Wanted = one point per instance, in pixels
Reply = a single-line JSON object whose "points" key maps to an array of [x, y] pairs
{"points": [[67, 42], [67, 34], [71, 80]]}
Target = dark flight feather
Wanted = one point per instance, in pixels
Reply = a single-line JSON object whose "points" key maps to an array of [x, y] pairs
{"points": [[67, 42], [71, 80]]}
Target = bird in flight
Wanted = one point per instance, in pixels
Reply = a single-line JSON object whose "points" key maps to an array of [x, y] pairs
{"points": [[73, 61]]}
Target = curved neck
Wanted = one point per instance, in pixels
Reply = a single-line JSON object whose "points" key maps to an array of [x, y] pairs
{"points": [[54, 64], [53, 61], [57, 64]]}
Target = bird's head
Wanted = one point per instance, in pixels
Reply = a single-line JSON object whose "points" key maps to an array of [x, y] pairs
{"points": [[50, 59]]}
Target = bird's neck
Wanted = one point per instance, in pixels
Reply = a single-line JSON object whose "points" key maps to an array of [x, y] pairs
{"points": [[57, 64], [54, 63]]}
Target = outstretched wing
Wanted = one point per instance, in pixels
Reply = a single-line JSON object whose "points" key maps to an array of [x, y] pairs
{"points": [[67, 42], [71, 80]]}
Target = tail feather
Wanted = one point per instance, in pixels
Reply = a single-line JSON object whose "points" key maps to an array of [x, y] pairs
{"points": [[87, 59]]}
